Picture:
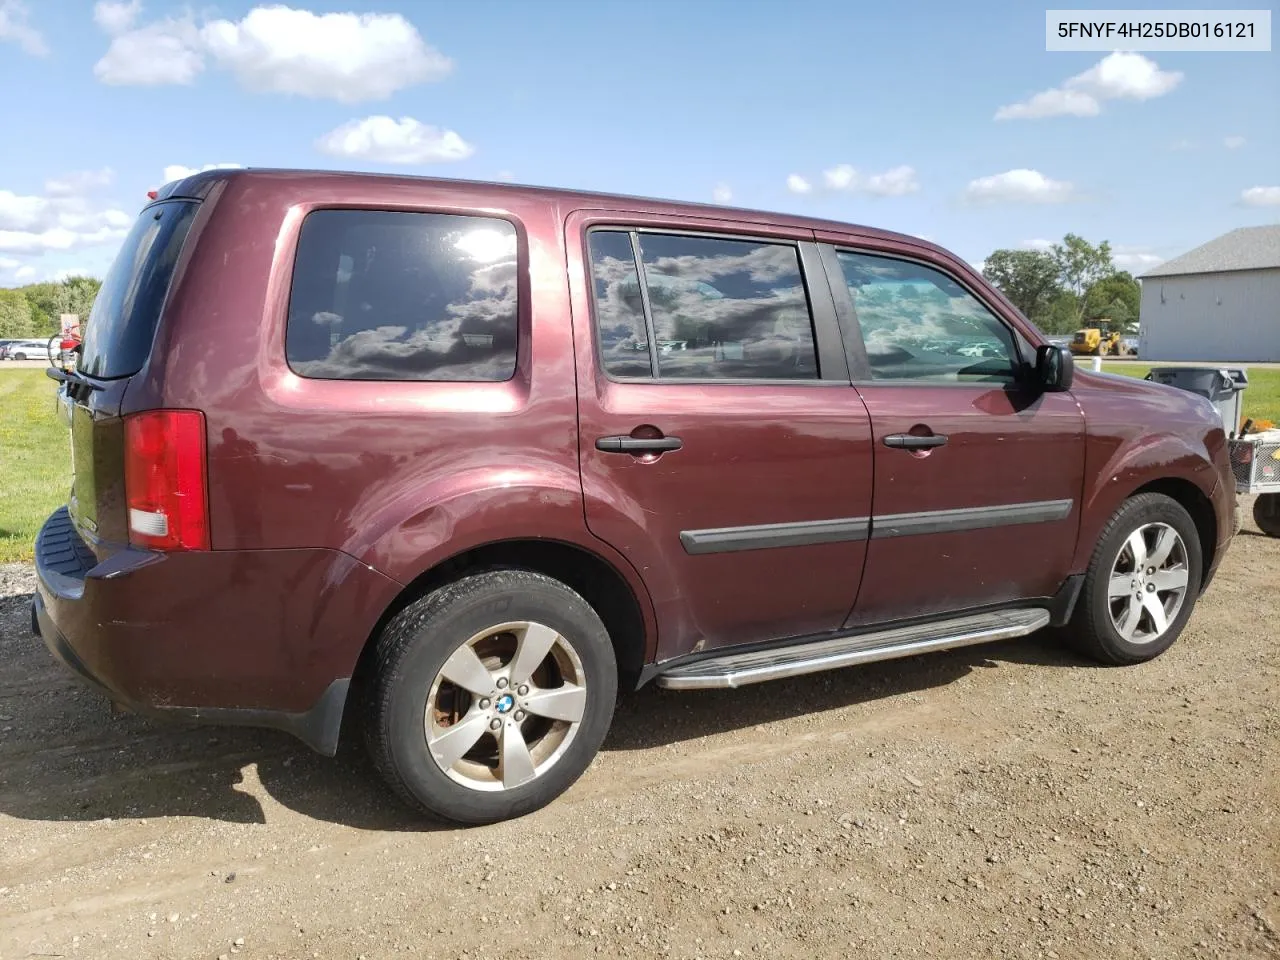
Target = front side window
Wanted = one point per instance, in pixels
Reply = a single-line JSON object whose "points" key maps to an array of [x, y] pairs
{"points": [[382, 295], [716, 308], [919, 324]]}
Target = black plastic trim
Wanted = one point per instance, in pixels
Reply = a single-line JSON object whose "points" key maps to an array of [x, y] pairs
{"points": [[728, 539], [970, 518]]}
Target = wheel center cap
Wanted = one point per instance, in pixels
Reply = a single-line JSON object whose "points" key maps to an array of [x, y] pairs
{"points": [[504, 703]]}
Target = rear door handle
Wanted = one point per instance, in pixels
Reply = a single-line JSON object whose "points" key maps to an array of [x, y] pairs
{"points": [[909, 441], [626, 444]]}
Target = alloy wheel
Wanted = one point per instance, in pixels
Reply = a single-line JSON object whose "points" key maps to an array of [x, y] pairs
{"points": [[1148, 583], [505, 706]]}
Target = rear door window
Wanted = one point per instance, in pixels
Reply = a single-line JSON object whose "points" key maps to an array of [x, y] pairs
{"points": [[122, 323], [386, 295], [716, 308]]}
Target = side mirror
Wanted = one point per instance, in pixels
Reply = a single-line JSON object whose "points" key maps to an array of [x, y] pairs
{"points": [[1055, 368]]}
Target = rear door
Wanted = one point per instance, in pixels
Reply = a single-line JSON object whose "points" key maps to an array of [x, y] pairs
{"points": [[117, 343], [978, 474], [723, 450]]}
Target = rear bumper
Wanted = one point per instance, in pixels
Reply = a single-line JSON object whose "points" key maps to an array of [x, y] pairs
{"points": [[256, 637]]}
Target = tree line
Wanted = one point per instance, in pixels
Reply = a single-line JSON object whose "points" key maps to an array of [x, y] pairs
{"points": [[33, 311], [1062, 288]]}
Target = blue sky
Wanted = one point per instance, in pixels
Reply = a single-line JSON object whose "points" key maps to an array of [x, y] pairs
{"points": [[887, 113]]}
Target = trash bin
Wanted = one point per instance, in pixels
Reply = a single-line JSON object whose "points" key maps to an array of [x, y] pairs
{"points": [[1224, 386]]}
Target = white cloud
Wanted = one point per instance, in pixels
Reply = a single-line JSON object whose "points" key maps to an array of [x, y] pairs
{"points": [[798, 184], [63, 218], [24, 272], [114, 16], [1261, 196], [1038, 243], [14, 26], [344, 56], [347, 57], [1183, 144], [387, 140], [1019, 186], [176, 171], [895, 182], [1117, 76], [80, 182], [159, 54], [723, 193], [1234, 143], [8, 263], [1135, 259], [839, 177]]}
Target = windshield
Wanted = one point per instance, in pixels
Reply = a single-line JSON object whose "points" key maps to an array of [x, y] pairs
{"points": [[123, 320]]}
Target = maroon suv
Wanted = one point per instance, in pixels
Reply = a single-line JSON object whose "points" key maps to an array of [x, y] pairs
{"points": [[465, 458]]}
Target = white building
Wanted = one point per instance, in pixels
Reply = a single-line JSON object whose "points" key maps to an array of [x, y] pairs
{"points": [[1219, 302]]}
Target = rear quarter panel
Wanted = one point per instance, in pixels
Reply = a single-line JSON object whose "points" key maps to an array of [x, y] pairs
{"points": [[398, 475]]}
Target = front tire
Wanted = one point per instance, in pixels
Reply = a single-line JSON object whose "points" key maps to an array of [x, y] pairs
{"points": [[492, 695], [1142, 582]]}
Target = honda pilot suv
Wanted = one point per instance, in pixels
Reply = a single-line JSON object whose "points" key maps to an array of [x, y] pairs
{"points": [[459, 461]]}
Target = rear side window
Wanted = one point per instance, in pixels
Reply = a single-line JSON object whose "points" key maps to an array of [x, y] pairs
{"points": [[122, 323], [713, 308], [381, 295]]}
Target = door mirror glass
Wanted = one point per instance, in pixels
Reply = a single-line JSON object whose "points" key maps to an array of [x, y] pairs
{"points": [[1055, 368]]}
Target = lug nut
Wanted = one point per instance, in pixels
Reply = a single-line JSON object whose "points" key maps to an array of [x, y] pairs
{"points": [[484, 704], [502, 683], [519, 715], [495, 724], [524, 690]]}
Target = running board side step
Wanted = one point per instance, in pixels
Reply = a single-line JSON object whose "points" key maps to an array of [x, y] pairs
{"points": [[739, 669]]}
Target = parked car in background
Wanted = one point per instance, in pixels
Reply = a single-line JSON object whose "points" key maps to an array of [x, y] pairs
{"points": [[25, 350], [464, 459]]}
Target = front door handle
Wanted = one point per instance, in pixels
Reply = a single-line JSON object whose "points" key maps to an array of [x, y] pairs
{"points": [[627, 444], [909, 441]]}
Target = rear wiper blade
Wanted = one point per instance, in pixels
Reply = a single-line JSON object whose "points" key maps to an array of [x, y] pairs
{"points": [[70, 376]]}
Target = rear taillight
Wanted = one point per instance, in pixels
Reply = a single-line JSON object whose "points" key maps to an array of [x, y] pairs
{"points": [[165, 480]]}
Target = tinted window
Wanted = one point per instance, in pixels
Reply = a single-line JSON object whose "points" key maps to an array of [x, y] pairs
{"points": [[619, 308], [122, 323], [403, 296], [718, 308], [919, 324]]}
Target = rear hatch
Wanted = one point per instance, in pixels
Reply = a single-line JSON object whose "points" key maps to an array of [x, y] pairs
{"points": [[117, 343]]}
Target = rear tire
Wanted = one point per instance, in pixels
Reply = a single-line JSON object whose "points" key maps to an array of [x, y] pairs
{"points": [[1266, 513], [491, 696], [1151, 548]]}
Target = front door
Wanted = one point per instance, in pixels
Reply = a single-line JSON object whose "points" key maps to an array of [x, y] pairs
{"points": [[723, 449], [978, 474]]}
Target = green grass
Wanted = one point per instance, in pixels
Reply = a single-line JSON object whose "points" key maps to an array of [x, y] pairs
{"points": [[35, 459], [1261, 397]]}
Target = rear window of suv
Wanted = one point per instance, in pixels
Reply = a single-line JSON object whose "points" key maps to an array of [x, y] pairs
{"points": [[122, 323], [388, 295]]}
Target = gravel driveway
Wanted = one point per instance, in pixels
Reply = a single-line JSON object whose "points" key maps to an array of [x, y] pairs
{"points": [[1006, 801]]}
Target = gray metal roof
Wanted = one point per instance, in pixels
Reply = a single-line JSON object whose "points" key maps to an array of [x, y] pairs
{"points": [[1248, 248]]}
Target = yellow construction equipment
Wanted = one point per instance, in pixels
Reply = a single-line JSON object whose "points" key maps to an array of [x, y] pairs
{"points": [[1098, 339]]}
